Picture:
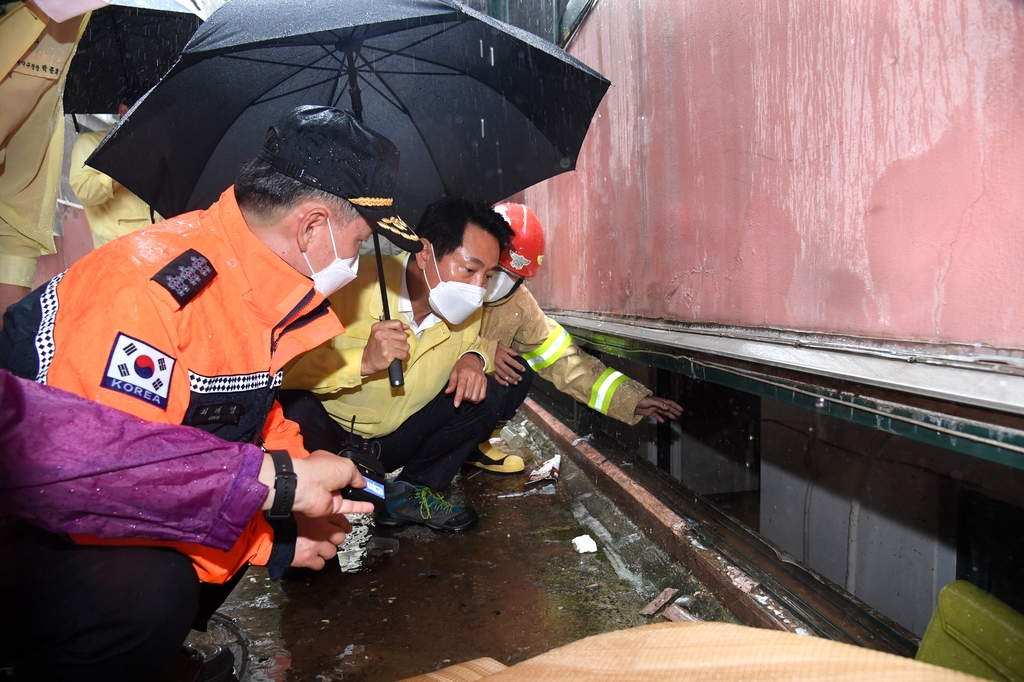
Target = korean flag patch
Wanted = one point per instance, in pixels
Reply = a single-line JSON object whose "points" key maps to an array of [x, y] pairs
{"points": [[138, 369]]}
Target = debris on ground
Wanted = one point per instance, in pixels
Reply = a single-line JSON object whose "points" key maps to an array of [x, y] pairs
{"points": [[678, 614], [548, 470], [665, 597], [516, 436], [584, 544], [546, 490]]}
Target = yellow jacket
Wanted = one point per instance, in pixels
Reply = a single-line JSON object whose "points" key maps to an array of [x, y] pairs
{"points": [[110, 212], [34, 56], [519, 323], [333, 369]]}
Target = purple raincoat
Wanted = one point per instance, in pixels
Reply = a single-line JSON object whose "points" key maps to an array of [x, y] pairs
{"points": [[69, 465]]}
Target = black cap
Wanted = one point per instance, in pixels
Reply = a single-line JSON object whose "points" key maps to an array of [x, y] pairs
{"points": [[330, 150]]}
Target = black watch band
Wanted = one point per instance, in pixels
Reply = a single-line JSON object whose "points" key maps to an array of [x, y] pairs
{"points": [[284, 485]]}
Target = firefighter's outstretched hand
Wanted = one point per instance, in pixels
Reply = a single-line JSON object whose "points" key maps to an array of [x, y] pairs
{"points": [[319, 480], [506, 367], [387, 342], [659, 408], [468, 380], [318, 539]]}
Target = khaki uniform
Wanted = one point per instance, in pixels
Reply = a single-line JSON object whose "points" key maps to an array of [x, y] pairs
{"points": [[34, 56], [110, 212], [333, 369], [519, 323]]}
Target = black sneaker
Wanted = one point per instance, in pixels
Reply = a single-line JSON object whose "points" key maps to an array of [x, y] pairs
{"points": [[406, 503]]}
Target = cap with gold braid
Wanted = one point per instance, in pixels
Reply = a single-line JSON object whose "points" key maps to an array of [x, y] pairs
{"points": [[330, 150]]}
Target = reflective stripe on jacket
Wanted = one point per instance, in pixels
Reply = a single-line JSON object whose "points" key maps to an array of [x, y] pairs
{"points": [[519, 323], [189, 321]]}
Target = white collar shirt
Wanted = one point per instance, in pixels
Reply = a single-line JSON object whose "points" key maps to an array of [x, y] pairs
{"points": [[405, 305]]}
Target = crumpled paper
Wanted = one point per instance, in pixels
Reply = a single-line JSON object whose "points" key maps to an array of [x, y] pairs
{"points": [[584, 544], [548, 470]]}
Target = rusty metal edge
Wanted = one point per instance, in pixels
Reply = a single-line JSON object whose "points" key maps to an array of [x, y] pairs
{"points": [[667, 528]]}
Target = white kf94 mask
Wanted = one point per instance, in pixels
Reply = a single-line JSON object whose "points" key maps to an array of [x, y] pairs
{"points": [[340, 272], [454, 301]]}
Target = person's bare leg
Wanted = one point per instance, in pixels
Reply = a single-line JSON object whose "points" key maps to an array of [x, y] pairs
{"points": [[9, 295]]}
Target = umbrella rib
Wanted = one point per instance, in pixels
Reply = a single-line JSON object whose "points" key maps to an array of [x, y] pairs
{"points": [[267, 97], [405, 110]]}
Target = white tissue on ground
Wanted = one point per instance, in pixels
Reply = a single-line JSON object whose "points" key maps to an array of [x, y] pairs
{"points": [[584, 544]]}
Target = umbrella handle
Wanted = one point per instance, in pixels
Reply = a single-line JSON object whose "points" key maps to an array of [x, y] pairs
{"points": [[395, 368], [395, 373]]}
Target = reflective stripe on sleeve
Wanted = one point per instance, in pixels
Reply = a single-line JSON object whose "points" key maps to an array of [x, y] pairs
{"points": [[604, 388], [549, 351]]}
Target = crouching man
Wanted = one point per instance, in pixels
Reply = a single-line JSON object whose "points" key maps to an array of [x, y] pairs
{"points": [[191, 321], [524, 341], [447, 405]]}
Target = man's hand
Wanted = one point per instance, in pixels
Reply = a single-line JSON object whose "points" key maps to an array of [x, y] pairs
{"points": [[506, 368], [319, 478], [318, 539], [659, 408], [468, 380], [387, 342]]}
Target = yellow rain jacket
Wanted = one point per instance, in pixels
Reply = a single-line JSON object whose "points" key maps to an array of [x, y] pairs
{"points": [[333, 369], [110, 212], [519, 323], [34, 56]]}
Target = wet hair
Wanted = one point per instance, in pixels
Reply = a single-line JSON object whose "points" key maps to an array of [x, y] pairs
{"points": [[445, 221], [261, 189]]}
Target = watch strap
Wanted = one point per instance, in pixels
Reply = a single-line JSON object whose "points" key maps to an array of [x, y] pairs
{"points": [[285, 483]]}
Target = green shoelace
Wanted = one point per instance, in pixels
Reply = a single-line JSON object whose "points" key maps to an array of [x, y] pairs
{"points": [[431, 502]]}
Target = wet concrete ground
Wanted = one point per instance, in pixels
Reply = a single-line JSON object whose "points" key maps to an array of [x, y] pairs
{"points": [[511, 588]]}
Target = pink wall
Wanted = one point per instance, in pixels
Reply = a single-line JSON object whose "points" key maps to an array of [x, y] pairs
{"points": [[845, 166]]}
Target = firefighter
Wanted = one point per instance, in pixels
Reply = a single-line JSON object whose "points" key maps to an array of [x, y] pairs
{"points": [[192, 321], [524, 341]]}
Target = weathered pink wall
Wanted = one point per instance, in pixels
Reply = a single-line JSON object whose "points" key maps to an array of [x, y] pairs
{"points": [[845, 166]]}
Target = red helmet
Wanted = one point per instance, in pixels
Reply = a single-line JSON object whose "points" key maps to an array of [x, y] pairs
{"points": [[526, 252]]}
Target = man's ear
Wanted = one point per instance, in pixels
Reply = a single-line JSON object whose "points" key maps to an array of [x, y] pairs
{"points": [[308, 218], [424, 255]]}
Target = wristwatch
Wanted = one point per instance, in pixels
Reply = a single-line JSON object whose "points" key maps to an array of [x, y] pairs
{"points": [[280, 516]]}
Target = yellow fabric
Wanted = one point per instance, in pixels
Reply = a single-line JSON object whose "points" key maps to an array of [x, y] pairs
{"points": [[333, 369], [519, 323], [17, 258], [34, 53], [110, 212], [717, 651], [973, 632]]}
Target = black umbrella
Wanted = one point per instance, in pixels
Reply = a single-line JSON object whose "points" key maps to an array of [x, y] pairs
{"points": [[125, 49], [477, 108]]}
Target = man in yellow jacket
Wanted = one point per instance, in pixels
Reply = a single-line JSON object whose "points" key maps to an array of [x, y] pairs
{"points": [[35, 51], [447, 405], [523, 341], [111, 208]]}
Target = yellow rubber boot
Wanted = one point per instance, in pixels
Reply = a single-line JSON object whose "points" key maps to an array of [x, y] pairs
{"points": [[490, 458]]}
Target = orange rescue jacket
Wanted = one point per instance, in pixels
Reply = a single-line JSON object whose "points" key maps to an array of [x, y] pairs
{"points": [[189, 321]]}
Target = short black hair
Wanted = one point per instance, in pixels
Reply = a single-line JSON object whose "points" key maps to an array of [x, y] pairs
{"points": [[261, 189], [444, 222]]}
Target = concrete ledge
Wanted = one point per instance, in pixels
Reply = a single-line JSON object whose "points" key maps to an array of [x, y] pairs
{"points": [[735, 589]]}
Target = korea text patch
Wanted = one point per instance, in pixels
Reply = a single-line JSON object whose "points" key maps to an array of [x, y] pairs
{"points": [[139, 370]]}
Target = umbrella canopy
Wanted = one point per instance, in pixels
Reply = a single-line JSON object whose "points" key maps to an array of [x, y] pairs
{"points": [[126, 48], [477, 108]]}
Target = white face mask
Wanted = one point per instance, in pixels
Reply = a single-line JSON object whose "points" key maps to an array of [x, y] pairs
{"points": [[454, 301], [336, 275], [501, 286]]}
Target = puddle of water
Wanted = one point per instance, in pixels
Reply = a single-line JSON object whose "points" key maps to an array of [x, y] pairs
{"points": [[511, 588]]}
